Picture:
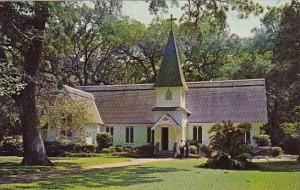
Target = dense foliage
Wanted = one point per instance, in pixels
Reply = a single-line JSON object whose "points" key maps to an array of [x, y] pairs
{"points": [[230, 151], [104, 140], [262, 140], [55, 149]]}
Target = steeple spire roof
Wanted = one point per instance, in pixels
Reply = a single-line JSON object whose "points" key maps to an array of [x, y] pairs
{"points": [[170, 72]]}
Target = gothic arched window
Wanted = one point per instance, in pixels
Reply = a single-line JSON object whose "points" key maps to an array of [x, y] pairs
{"points": [[197, 133], [168, 95]]}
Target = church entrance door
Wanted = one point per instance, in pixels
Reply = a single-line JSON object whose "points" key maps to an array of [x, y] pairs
{"points": [[164, 138]]}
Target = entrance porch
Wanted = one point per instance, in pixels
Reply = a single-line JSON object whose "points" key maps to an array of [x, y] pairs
{"points": [[167, 135]]}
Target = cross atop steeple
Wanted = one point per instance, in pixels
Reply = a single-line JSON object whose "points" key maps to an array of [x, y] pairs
{"points": [[171, 20], [170, 72]]}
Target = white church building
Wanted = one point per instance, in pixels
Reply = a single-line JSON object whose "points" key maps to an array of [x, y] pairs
{"points": [[172, 109]]}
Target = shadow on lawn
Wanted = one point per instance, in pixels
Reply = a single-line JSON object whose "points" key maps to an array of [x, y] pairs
{"points": [[270, 166], [104, 178], [279, 166], [14, 168]]}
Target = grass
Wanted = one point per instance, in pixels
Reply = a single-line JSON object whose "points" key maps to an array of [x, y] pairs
{"points": [[177, 174], [10, 165]]}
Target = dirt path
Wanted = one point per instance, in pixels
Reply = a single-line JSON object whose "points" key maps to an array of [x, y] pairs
{"points": [[46, 175]]}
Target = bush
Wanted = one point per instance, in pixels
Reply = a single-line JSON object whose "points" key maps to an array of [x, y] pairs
{"points": [[85, 148], [104, 140], [11, 146], [229, 149], [108, 150], [262, 140], [222, 160], [119, 148], [68, 154], [271, 151], [129, 149], [193, 149], [146, 150], [205, 151], [55, 148], [193, 142], [291, 145]]}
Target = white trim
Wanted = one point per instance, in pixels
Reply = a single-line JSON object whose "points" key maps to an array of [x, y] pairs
{"points": [[167, 120]]}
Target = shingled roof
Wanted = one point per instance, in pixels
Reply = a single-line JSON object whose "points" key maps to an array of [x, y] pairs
{"points": [[170, 73], [208, 102], [88, 100]]}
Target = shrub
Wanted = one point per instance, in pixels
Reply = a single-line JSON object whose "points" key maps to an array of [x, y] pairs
{"points": [[291, 145], [193, 142], [108, 150], [271, 151], [146, 150], [222, 160], [119, 148], [68, 154], [129, 149], [56, 149], [205, 151], [11, 146], [193, 149], [104, 140], [276, 151], [85, 148], [262, 140], [229, 151]]}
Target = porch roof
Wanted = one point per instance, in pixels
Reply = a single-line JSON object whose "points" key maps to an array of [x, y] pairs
{"points": [[166, 121]]}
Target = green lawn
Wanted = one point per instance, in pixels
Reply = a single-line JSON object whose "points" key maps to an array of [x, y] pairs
{"points": [[178, 174], [10, 165]]}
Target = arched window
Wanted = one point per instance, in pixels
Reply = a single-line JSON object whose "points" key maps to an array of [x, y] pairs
{"points": [[197, 134], [168, 95]]}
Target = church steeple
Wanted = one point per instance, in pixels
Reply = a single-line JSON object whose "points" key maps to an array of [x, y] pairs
{"points": [[170, 72]]}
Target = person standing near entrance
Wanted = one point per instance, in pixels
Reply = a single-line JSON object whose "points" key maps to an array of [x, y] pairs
{"points": [[181, 148]]}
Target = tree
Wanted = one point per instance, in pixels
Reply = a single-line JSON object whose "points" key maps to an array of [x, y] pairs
{"points": [[283, 81], [21, 29], [142, 48], [230, 151], [66, 115], [205, 50], [80, 46]]}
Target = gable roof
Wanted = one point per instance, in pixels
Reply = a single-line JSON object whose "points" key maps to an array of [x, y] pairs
{"points": [[166, 121], [170, 73], [208, 102], [88, 101]]}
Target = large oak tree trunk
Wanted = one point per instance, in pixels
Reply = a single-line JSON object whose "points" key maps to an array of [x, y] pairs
{"points": [[34, 149]]}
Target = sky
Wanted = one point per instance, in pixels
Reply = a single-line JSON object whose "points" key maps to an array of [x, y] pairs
{"points": [[138, 9]]}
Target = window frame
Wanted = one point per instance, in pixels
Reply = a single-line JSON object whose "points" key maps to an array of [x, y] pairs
{"points": [[110, 130], [129, 135], [197, 131], [168, 95]]}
